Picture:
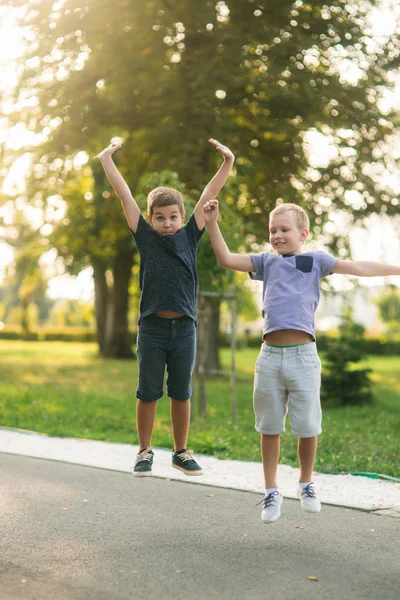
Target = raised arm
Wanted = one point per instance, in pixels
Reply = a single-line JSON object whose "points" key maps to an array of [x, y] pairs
{"points": [[120, 186], [363, 268], [237, 262], [213, 188]]}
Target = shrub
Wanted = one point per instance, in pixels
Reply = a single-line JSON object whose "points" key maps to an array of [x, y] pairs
{"points": [[342, 384]]}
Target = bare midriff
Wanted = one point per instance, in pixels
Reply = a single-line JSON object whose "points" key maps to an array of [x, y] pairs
{"points": [[287, 337], [169, 314]]}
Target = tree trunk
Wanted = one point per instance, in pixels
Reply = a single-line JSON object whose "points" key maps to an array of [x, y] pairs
{"points": [[25, 316], [203, 311], [212, 362], [118, 343], [101, 301], [208, 314]]}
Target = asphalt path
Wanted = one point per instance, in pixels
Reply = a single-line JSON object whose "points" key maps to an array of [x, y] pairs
{"points": [[69, 532]]}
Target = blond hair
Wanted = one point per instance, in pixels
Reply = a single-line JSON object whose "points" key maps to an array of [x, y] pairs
{"points": [[299, 214], [164, 196]]}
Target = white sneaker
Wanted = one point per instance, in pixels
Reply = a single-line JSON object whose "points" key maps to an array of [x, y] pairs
{"points": [[271, 507], [308, 498]]}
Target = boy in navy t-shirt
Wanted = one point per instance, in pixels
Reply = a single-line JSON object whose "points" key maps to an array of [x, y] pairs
{"points": [[167, 317], [288, 369]]}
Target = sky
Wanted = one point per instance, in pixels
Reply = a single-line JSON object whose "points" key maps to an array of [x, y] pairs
{"points": [[378, 241]]}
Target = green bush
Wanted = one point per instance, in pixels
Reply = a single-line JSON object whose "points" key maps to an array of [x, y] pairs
{"points": [[379, 346], [73, 334], [342, 383], [367, 345]]}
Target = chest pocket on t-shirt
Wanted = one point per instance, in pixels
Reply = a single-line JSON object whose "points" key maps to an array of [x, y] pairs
{"points": [[304, 263]]}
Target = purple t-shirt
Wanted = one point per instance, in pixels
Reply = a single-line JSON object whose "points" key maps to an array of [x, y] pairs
{"points": [[291, 288]]}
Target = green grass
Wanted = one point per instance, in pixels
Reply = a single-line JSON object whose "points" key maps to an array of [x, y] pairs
{"points": [[62, 389]]}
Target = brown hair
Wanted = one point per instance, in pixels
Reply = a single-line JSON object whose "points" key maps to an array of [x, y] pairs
{"points": [[164, 196], [299, 214]]}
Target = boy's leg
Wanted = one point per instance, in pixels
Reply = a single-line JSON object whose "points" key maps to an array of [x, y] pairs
{"points": [[307, 449], [270, 448], [180, 419], [305, 414], [145, 416], [151, 351], [182, 458], [180, 364], [270, 406]]}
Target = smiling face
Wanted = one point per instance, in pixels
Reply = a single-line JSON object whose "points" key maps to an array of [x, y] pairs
{"points": [[285, 235], [166, 219]]}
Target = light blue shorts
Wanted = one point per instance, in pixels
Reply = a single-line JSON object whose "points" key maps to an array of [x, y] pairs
{"points": [[288, 380]]}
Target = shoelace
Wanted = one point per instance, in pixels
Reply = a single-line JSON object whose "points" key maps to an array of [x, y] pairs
{"points": [[186, 456], [270, 499], [309, 491], [145, 455]]}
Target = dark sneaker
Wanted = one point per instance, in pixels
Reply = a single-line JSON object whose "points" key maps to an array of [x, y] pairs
{"points": [[143, 463], [185, 462]]}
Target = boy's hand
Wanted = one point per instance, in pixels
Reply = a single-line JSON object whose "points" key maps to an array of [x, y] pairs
{"points": [[109, 151], [214, 186], [211, 211], [226, 153], [121, 188]]}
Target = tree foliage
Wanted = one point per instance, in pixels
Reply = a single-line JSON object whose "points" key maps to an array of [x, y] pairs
{"points": [[389, 309], [25, 279], [261, 77], [166, 76]]}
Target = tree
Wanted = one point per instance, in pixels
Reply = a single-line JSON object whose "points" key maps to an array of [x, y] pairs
{"points": [[25, 278], [167, 75]]}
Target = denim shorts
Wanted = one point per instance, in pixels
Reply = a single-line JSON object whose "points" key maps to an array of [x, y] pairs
{"points": [[288, 380], [169, 343]]}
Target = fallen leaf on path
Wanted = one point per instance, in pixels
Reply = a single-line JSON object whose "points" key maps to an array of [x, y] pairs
{"points": [[313, 578]]}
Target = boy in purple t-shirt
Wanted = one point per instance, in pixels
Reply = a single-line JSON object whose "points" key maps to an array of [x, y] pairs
{"points": [[288, 369]]}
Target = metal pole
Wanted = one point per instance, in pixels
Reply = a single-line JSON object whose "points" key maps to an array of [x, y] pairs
{"points": [[233, 360]]}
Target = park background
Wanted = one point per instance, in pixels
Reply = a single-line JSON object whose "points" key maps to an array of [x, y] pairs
{"points": [[306, 95]]}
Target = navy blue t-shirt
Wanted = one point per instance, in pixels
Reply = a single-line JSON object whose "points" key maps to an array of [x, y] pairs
{"points": [[168, 269]]}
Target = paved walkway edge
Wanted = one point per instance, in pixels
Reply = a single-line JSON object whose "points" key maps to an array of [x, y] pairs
{"points": [[346, 491]]}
